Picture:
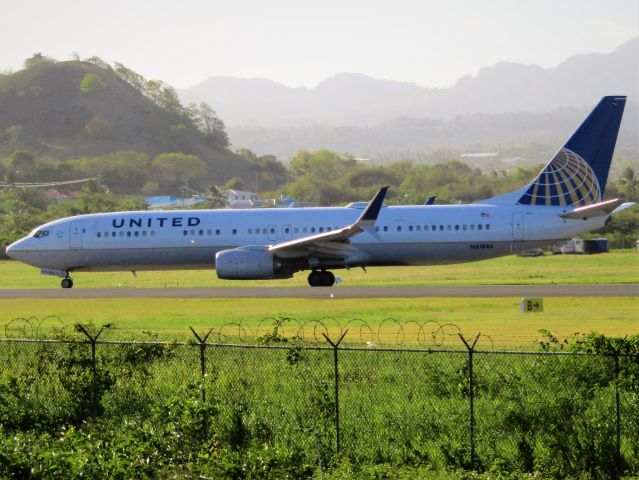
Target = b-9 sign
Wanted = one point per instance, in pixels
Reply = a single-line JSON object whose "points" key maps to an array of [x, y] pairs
{"points": [[530, 305]]}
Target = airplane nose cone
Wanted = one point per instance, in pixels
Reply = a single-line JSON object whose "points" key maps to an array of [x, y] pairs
{"points": [[13, 250]]}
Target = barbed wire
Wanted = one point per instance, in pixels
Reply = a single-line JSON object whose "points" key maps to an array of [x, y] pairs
{"points": [[273, 329]]}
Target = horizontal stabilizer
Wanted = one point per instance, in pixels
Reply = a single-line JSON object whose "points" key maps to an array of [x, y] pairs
{"points": [[595, 210]]}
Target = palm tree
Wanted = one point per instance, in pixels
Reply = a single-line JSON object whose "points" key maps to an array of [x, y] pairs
{"points": [[213, 198]]}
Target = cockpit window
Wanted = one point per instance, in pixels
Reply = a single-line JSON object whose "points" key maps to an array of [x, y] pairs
{"points": [[41, 233]]}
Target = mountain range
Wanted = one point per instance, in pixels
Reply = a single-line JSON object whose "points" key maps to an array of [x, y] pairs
{"points": [[358, 100]]}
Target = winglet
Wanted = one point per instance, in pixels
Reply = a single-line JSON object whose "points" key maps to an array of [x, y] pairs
{"points": [[369, 216]]}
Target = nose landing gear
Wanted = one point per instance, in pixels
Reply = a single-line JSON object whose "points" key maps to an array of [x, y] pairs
{"points": [[66, 282], [321, 278]]}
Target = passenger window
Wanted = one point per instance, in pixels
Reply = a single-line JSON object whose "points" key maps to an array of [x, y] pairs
{"points": [[209, 232], [463, 227], [434, 227], [386, 228], [185, 233], [272, 230], [99, 234], [448, 227], [128, 234], [113, 234], [399, 228], [153, 233], [377, 229], [250, 230], [144, 233], [441, 228], [217, 231], [321, 229], [456, 227], [305, 230], [201, 232], [287, 230], [410, 228], [418, 228], [296, 230], [312, 229], [472, 226], [487, 226], [425, 228], [235, 231], [136, 233], [479, 227]]}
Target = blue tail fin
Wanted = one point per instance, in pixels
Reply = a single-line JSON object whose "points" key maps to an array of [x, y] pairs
{"points": [[578, 173]]}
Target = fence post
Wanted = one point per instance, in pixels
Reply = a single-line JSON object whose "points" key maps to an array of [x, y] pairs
{"points": [[618, 417], [471, 383], [202, 342], [335, 346], [93, 340]]}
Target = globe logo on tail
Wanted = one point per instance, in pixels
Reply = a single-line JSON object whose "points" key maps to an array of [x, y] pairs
{"points": [[567, 180]]}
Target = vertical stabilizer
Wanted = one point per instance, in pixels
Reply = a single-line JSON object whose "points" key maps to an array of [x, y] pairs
{"points": [[578, 172]]}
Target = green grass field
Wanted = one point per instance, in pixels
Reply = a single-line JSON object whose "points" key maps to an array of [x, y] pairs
{"points": [[498, 319], [620, 266]]}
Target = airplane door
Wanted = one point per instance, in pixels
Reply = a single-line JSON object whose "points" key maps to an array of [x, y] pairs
{"points": [[287, 232], [75, 238], [518, 227]]}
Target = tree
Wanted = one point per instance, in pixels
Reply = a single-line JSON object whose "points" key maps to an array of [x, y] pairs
{"points": [[134, 79], [234, 183], [629, 184], [173, 170], [206, 121], [38, 59], [322, 164], [92, 84], [121, 171], [22, 165], [213, 198]]}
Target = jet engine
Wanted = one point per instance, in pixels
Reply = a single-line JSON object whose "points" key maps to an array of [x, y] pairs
{"points": [[248, 264]]}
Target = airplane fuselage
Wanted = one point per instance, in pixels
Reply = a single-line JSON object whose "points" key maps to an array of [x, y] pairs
{"points": [[403, 235]]}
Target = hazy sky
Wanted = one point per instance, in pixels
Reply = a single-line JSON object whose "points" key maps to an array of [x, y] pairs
{"points": [[300, 43]]}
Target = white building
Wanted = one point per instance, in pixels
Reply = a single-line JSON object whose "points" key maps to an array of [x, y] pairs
{"points": [[239, 198]]}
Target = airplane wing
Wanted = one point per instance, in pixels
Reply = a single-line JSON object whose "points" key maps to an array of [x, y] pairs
{"points": [[333, 243], [597, 210]]}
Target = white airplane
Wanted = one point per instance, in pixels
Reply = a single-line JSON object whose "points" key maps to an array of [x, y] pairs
{"points": [[564, 200]]}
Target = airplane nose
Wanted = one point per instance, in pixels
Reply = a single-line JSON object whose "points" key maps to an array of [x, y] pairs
{"points": [[13, 250]]}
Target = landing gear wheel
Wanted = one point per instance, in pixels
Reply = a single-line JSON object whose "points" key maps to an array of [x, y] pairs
{"points": [[328, 279], [314, 278], [66, 283], [321, 278]]}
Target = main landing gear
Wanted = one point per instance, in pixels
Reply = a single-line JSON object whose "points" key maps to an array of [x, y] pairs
{"points": [[66, 282], [321, 278]]}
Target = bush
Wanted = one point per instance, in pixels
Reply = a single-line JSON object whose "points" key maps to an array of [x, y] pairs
{"points": [[92, 84]]}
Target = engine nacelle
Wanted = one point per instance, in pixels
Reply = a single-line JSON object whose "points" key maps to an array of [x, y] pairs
{"points": [[247, 264]]}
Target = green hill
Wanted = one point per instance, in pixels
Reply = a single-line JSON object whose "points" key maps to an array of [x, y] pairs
{"points": [[59, 113]]}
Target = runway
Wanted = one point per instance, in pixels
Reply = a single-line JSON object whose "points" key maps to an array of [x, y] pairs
{"points": [[456, 291]]}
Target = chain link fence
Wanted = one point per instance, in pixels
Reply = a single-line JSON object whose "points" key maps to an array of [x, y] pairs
{"points": [[561, 413]]}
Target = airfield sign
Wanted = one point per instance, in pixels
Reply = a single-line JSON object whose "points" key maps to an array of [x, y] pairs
{"points": [[531, 305]]}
